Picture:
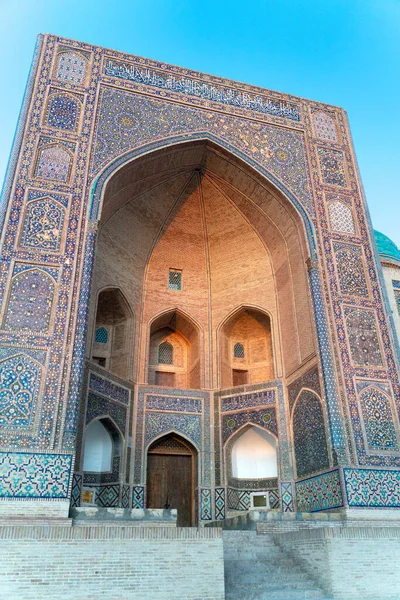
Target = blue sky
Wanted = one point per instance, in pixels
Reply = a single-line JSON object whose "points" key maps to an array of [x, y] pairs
{"points": [[343, 52]]}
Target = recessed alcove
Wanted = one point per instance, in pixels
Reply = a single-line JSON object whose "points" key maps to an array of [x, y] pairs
{"points": [[254, 455], [246, 348], [112, 344], [174, 356]]}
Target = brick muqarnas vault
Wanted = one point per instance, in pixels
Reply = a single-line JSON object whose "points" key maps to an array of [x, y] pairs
{"points": [[192, 302]]}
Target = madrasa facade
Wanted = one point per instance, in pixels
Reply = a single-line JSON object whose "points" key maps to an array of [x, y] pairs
{"points": [[194, 314]]}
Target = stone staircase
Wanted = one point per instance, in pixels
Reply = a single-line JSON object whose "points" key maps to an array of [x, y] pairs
{"points": [[256, 569]]}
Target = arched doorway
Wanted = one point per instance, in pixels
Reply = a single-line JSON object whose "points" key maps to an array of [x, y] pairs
{"points": [[171, 476]]}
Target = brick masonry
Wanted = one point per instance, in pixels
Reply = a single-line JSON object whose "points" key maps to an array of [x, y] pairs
{"points": [[111, 563], [356, 563]]}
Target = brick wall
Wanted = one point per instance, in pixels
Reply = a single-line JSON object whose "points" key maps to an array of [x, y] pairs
{"points": [[350, 563], [113, 563], [50, 509]]}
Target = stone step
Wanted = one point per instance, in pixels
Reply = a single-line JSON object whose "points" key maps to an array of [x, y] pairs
{"points": [[257, 569], [284, 595], [241, 593], [271, 583], [280, 563]]}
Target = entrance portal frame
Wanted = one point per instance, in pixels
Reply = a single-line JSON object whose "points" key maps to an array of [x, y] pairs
{"points": [[62, 160]]}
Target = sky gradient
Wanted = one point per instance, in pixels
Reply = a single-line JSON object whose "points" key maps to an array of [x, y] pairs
{"points": [[341, 52]]}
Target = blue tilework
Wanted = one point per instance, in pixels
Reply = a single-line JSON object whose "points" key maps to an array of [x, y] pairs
{"points": [[77, 482], [43, 225], [196, 87], [20, 379], [287, 500], [378, 418], [138, 494], [220, 508], [98, 406], [107, 495], [248, 400], [30, 475], [127, 120], [321, 492], [351, 271], [186, 405], [108, 388], [310, 445], [158, 423], [372, 488], [266, 418], [30, 301], [205, 505]]}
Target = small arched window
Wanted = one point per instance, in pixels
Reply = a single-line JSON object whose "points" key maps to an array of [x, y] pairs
{"points": [[101, 335], [238, 350], [165, 354]]}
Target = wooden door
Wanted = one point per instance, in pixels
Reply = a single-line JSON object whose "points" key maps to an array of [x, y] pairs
{"points": [[170, 479]]}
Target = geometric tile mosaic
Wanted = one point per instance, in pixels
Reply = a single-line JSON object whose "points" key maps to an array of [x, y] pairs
{"points": [[117, 131], [363, 337], [350, 270], [138, 496], [30, 475], [310, 444], [77, 481], [266, 418], [71, 66], [159, 423], [98, 406], [372, 488], [341, 217], [321, 492], [219, 504], [53, 163], [324, 126], [63, 111], [309, 380], [378, 419], [238, 499], [241, 499], [205, 505], [273, 498], [109, 388], [125, 491], [30, 301], [332, 166], [287, 496], [107, 495]]}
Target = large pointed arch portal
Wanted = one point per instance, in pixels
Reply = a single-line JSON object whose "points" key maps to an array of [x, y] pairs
{"points": [[192, 231]]}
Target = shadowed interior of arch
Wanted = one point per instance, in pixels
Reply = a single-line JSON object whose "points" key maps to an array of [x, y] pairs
{"points": [[234, 240], [200, 273]]}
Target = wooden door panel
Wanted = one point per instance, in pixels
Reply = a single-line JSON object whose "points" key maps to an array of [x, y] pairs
{"points": [[180, 487], [169, 480]]}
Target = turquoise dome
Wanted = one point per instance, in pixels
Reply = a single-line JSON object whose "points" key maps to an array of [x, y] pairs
{"points": [[386, 248]]}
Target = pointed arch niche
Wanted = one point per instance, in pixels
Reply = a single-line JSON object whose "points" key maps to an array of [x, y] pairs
{"points": [[174, 352], [112, 342], [197, 210], [246, 348]]}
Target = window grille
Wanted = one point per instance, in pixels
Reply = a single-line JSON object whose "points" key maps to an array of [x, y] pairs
{"points": [[238, 350], [165, 354], [175, 280], [101, 335]]}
